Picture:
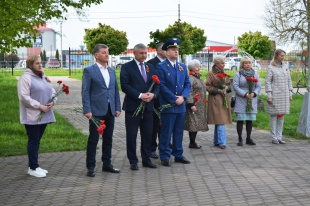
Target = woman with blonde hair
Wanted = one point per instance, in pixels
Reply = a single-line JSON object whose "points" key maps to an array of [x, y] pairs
{"points": [[34, 91], [279, 89], [219, 111], [247, 87]]}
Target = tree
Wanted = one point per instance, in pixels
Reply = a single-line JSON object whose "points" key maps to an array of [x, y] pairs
{"points": [[116, 40], [255, 44], [192, 38], [41, 55], [20, 18], [44, 56], [287, 20], [57, 54], [10, 57]]}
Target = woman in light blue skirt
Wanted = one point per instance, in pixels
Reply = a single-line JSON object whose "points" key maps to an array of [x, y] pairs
{"points": [[247, 87]]}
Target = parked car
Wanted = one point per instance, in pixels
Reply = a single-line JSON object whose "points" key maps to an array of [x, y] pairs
{"points": [[232, 63], [52, 63], [123, 60]]}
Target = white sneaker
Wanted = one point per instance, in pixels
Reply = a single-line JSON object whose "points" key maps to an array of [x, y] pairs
{"points": [[40, 169], [36, 173]]}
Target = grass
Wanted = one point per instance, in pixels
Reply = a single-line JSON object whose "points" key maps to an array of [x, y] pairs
{"points": [[59, 136]]}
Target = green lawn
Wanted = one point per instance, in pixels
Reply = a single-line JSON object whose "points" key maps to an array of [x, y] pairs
{"points": [[59, 136]]}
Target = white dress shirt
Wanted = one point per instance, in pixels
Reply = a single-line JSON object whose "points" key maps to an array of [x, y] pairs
{"points": [[105, 73]]}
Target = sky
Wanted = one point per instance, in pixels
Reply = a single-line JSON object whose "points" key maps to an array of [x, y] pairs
{"points": [[222, 20]]}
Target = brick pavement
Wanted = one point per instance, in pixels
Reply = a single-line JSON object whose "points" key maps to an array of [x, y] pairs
{"points": [[264, 174]]}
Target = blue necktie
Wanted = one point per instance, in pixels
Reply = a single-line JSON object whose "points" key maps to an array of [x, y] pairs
{"points": [[143, 71]]}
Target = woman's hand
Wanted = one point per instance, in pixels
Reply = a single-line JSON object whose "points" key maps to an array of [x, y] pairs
{"points": [[45, 108], [269, 100], [250, 96], [194, 109]]}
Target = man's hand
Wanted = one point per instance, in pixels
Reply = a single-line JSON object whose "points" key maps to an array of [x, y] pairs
{"points": [[89, 115], [147, 97], [117, 113], [194, 109], [180, 100]]}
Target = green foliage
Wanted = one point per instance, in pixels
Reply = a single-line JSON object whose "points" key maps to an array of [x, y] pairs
{"points": [[59, 136], [44, 56], [116, 40], [57, 54], [20, 18], [255, 44], [192, 38]]}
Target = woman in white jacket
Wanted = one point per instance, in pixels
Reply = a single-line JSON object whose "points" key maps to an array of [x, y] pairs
{"points": [[34, 93], [279, 92]]}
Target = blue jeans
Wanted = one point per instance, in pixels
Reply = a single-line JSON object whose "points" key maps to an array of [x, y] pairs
{"points": [[219, 134], [34, 133]]}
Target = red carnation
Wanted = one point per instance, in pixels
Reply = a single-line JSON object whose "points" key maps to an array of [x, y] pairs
{"points": [[59, 82]]}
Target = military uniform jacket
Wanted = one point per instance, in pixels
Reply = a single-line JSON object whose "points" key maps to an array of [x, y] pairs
{"points": [[173, 82]]}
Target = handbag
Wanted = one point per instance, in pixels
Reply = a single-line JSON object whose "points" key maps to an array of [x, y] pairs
{"points": [[232, 101]]}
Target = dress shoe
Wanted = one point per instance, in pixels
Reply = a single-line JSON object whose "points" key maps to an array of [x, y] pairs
{"points": [[182, 160], [149, 165], [134, 167], [240, 143], [91, 173], [110, 169], [170, 145], [249, 141], [165, 163], [222, 146], [281, 141], [154, 155], [275, 141], [194, 146]]}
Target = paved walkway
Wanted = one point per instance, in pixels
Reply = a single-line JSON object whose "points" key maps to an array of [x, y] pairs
{"points": [[264, 174]]}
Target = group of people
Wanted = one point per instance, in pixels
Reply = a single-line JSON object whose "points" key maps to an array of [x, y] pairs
{"points": [[179, 97]]}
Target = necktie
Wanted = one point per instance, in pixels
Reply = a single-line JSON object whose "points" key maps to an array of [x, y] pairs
{"points": [[143, 71], [174, 66]]}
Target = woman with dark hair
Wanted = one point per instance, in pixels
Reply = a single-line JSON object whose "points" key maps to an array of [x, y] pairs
{"points": [[279, 92], [34, 91]]}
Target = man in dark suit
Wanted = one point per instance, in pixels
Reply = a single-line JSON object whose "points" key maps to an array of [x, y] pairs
{"points": [[174, 90], [101, 100], [136, 79], [161, 56]]}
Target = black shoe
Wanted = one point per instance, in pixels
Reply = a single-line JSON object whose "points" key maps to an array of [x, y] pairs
{"points": [[154, 155], [240, 143], [165, 163], [170, 145], [110, 169], [134, 167], [216, 145], [249, 141], [194, 146], [91, 173], [182, 160], [149, 165]]}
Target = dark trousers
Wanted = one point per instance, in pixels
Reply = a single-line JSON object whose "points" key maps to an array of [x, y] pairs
{"points": [[155, 132], [107, 139], [132, 126], [34, 133]]}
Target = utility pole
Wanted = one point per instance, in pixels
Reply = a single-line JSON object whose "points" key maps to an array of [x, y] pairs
{"points": [[179, 13], [304, 118], [61, 60]]}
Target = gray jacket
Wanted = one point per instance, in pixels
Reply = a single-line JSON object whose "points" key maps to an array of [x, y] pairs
{"points": [[241, 87]]}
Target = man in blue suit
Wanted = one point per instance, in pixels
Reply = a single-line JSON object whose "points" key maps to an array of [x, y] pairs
{"points": [[136, 79], [101, 100], [174, 90]]}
